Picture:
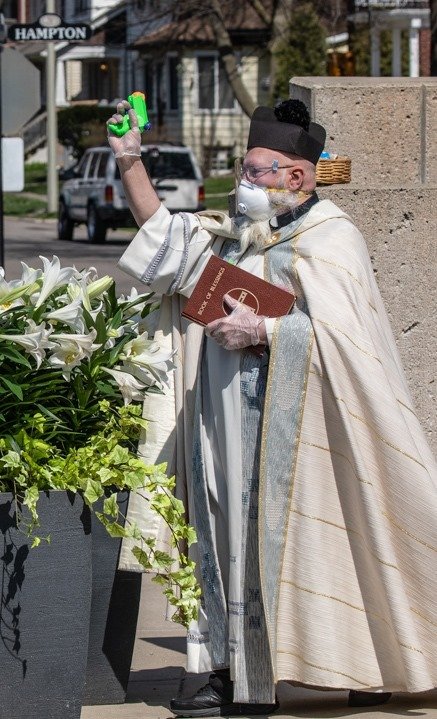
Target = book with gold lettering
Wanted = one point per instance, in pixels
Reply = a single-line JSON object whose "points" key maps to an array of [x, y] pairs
{"points": [[221, 277]]}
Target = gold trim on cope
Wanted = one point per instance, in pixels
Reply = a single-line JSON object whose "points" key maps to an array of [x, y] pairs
{"points": [[422, 616], [340, 267], [274, 237], [348, 530], [324, 669], [354, 606], [378, 436], [409, 534], [339, 454], [337, 329]]}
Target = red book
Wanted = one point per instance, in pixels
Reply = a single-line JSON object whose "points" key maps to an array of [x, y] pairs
{"points": [[219, 278]]}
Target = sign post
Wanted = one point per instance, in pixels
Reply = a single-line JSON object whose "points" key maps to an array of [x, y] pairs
{"points": [[20, 99], [50, 28]]}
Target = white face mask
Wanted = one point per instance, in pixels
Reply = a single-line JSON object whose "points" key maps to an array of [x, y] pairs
{"points": [[253, 201]]}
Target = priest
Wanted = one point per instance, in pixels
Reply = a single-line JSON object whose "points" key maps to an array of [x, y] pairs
{"points": [[304, 468]]}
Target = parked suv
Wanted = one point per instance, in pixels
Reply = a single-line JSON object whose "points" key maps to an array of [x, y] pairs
{"points": [[92, 191]]}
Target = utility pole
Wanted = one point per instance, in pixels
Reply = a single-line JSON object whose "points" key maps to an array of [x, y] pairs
{"points": [[52, 123], [2, 231], [2, 234]]}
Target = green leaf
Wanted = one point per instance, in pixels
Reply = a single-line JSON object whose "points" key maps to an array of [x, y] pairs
{"points": [[110, 505], [15, 356], [116, 530], [14, 388], [142, 557], [93, 491], [100, 326]]}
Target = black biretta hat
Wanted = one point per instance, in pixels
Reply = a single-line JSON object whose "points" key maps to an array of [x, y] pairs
{"points": [[287, 128]]}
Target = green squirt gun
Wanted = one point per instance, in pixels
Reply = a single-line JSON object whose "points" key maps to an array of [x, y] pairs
{"points": [[138, 103]]}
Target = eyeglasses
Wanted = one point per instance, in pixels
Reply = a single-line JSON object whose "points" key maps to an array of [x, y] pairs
{"points": [[254, 172]]}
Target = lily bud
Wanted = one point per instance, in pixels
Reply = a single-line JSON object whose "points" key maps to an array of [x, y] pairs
{"points": [[98, 287]]}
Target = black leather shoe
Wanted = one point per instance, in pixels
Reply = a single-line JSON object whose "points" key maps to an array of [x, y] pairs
{"points": [[367, 699], [215, 699]]}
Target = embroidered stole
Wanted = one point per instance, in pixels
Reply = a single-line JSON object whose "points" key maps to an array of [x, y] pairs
{"points": [[272, 401]]}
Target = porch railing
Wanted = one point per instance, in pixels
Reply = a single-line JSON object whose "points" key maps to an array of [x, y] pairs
{"points": [[34, 134]]}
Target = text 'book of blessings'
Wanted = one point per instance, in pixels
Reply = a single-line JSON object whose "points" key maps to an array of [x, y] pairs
{"points": [[220, 278]]}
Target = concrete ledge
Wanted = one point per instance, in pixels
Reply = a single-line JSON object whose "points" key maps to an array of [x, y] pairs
{"points": [[387, 126]]}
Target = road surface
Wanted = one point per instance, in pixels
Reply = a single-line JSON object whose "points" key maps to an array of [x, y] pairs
{"points": [[26, 239]]}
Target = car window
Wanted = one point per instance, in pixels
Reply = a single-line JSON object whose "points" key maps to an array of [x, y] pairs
{"points": [[101, 170], [162, 164], [92, 168], [81, 167]]}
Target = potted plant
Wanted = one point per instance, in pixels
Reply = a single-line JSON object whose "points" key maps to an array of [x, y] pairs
{"points": [[75, 364]]}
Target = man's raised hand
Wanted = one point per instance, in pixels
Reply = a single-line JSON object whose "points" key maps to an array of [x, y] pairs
{"points": [[129, 143]]}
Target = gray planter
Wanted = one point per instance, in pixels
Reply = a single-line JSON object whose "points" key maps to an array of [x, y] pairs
{"points": [[114, 614], [45, 610]]}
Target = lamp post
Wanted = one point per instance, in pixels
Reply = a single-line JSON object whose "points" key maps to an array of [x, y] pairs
{"points": [[52, 127]]}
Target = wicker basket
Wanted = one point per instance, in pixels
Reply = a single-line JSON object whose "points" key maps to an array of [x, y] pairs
{"points": [[333, 172]]}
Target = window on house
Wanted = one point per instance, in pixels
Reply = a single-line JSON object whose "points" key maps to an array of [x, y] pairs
{"points": [[215, 92], [149, 84], [81, 6], [218, 158], [161, 82], [173, 83]]}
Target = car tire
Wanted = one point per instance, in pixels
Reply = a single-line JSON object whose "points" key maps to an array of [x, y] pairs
{"points": [[96, 227], [65, 223]]}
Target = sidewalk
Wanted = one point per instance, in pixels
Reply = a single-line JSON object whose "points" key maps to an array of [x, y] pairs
{"points": [[157, 674]]}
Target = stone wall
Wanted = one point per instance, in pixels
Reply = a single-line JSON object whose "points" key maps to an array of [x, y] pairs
{"points": [[388, 127]]}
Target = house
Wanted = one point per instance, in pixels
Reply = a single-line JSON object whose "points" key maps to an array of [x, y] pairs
{"points": [[94, 70], [90, 71], [176, 61], [168, 48], [396, 16]]}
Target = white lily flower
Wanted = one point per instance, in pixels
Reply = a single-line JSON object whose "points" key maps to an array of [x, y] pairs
{"points": [[71, 350], [139, 300], [79, 287], [147, 360], [113, 334], [70, 314], [156, 374], [29, 275], [84, 341], [128, 298], [11, 292], [34, 341], [5, 306], [130, 388], [53, 277], [143, 351]]}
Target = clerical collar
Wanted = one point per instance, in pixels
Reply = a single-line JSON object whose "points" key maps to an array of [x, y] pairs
{"points": [[291, 215]]}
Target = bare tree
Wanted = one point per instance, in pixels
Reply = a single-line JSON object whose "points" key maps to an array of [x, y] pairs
{"points": [[221, 22]]}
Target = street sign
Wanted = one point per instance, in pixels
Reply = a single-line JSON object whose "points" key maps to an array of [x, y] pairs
{"points": [[12, 164], [20, 90], [49, 28]]}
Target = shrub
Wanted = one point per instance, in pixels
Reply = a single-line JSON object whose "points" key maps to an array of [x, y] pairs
{"points": [[82, 126]]}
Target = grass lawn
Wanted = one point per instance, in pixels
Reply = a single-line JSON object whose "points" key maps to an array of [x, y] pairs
{"points": [[35, 182], [217, 190]]}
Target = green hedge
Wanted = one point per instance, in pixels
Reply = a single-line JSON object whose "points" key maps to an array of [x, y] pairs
{"points": [[82, 126]]}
